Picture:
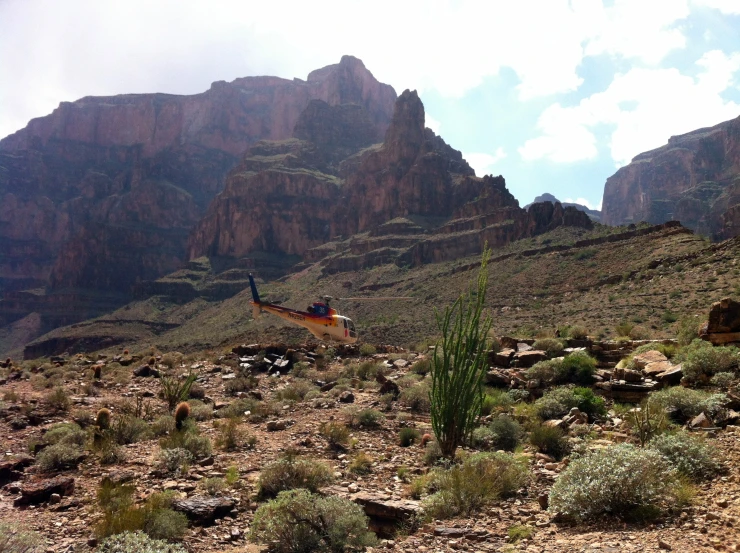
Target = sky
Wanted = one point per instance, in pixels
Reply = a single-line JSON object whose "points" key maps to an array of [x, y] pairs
{"points": [[555, 95]]}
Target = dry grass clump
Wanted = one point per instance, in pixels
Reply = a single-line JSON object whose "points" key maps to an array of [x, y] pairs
{"points": [[291, 472]]}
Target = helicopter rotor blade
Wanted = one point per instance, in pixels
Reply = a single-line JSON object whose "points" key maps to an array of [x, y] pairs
{"points": [[378, 298]]}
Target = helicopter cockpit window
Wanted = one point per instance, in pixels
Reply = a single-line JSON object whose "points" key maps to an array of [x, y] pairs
{"points": [[351, 325], [345, 323]]}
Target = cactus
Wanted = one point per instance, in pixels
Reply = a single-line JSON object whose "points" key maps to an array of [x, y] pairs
{"points": [[182, 412], [459, 364], [102, 420]]}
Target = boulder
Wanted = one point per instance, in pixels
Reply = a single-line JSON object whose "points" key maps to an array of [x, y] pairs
{"points": [[528, 358], [38, 492], [12, 469], [701, 421], [503, 357], [346, 397], [204, 510], [723, 326]]}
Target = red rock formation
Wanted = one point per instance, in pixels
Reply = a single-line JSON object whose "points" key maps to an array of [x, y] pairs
{"points": [[289, 197], [103, 193], [694, 179]]}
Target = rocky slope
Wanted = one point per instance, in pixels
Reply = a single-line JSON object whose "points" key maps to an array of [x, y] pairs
{"points": [[694, 179], [103, 193]]}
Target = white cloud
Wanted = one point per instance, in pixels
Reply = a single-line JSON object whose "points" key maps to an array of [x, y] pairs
{"points": [[432, 123], [482, 163], [644, 107], [725, 6], [584, 201], [62, 51]]}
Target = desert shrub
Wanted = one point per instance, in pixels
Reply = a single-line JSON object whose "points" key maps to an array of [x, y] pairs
{"points": [[559, 401], [129, 430], [175, 390], [367, 349], [58, 399], [723, 380], [298, 521], [496, 401], [416, 397], [155, 517], [213, 486], [689, 454], [432, 453], [668, 350], [550, 440], [171, 359], [408, 436], [620, 480], [361, 463], [163, 425], [175, 459], [506, 433], [229, 434], [136, 542], [291, 472], [200, 411], [369, 418], [240, 384], [544, 371], [232, 475], [551, 346], [639, 333], [686, 331], [624, 329], [295, 391], [59, 456], [238, 408], [68, 433], [188, 438], [685, 403], [702, 360], [577, 332], [109, 453], [367, 370], [466, 487], [520, 532], [578, 367], [422, 367], [14, 539], [336, 433]]}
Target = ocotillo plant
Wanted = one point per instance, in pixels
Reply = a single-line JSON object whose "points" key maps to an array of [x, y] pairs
{"points": [[458, 365]]}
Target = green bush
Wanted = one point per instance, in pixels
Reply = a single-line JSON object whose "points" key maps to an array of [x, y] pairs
{"points": [[290, 472], [422, 367], [237, 408], [702, 360], [559, 401], [200, 411], [507, 433], [367, 349], [551, 346], [416, 397], [367, 418], [60, 456], [129, 430], [620, 480], [295, 391], [336, 433], [213, 486], [298, 521], [163, 425], [188, 438], [361, 463], [724, 380], [155, 517], [137, 542], [668, 350], [175, 390], [480, 479], [68, 433], [690, 454], [432, 453], [14, 539], [685, 403], [544, 371], [240, 384], [58, 399], [496, 401], [408, 436], [550, 440], [578, 367], [173, 460]]}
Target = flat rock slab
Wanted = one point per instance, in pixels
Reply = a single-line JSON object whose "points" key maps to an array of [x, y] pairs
{"points": [[529, 358], [38, 492], [377, 506], [204, 510]]}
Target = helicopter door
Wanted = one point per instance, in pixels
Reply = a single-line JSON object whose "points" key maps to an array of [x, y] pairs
{"points": [[345, 327], [352, 331]]}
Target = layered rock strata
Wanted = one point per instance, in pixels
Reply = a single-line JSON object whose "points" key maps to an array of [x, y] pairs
{"points": [[695, 179]]}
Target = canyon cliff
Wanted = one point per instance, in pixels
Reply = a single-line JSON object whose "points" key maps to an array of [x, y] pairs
{"points": [[695, 179], [410, 200], [103, 193]]}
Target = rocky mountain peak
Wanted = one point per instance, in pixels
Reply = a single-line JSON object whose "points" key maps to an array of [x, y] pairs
{"points": [[405, 134]]}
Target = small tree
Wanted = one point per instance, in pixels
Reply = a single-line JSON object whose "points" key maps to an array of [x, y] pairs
{"points": [[459, 364]]}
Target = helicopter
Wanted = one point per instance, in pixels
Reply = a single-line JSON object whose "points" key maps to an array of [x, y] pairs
{"points": [[320, 319]]}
